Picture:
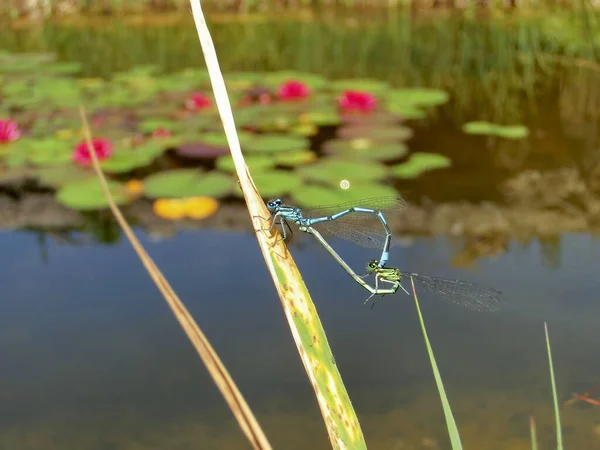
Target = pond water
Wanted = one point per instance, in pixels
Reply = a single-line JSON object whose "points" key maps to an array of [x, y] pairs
{"points": [[93, 358]]}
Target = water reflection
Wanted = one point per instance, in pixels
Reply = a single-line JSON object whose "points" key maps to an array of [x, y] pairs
{"points": [[92, 357]]}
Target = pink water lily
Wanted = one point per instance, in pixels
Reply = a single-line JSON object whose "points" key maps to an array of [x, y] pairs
{"points": [[293, 90], [357, 101], [198, 101], [9, 131], [82, 156]]}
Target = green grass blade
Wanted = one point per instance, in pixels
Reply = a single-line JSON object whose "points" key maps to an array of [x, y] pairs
{"points": [[559, 444], [450, 422], [533, 433]]}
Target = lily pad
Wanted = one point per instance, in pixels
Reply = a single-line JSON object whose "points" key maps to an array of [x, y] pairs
{"points": [[126, 160], [44, 152], [320, 118], [276, 182], [310, 196], [255, 163], [369, 85], [365, 149], [420, 97], [333, 171], [295, 158], [88, 195], [406, 110], [277, 143], [379, 118], [182, 183], [420, 163], [57, 176], [304, 129], [490, 129], [375, 133], [199, 150]]}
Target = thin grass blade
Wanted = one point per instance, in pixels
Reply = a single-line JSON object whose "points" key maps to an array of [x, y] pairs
{"points": [[338, 413], [533, 433], [215, 367], [450, 422], [559, 440]]}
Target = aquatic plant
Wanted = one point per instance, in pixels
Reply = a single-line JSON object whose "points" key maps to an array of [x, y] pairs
{"points": [[9, 131], [198, 101], [81, 154], [87, 194], [356, 101], [418, 163], [182, 183], [293, 90], [490, 129]]}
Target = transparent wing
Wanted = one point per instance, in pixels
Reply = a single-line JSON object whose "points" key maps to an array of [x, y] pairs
{"points": [[362, 229], [387, 205], [470, 295], [369, 235]]}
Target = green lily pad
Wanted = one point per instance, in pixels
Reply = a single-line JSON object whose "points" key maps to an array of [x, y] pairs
{"points": [[126, 160], [419, 97], [256, 163], [365, 149], [406, 110], [304, 129], [312, 80], [181, 183], [320, 118], [61, 92], [333, 171], [310, 196], [276, 143], [57, 176], [420, 163], [371, 86], [490, 129], [295, 158], [44, 152], [276, 183], [375, 133], [88, 195]]}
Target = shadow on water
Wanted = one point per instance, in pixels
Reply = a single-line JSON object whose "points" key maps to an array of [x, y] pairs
{"points": [[94, 359]]}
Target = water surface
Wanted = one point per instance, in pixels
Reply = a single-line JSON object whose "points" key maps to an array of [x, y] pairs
{"points": [[93, 358]]}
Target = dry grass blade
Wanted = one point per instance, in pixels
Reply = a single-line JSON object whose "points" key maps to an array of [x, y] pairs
{"points": [[338, 413], [215, 367]]}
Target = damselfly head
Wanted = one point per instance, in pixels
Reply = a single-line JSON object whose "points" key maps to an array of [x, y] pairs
{"points": [[272, 205], [372, 266]]}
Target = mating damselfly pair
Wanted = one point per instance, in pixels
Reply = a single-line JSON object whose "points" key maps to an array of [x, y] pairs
{"points": [[353, 222]]}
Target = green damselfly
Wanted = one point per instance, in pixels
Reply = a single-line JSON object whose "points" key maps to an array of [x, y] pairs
{"points": [[470, 295]]}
